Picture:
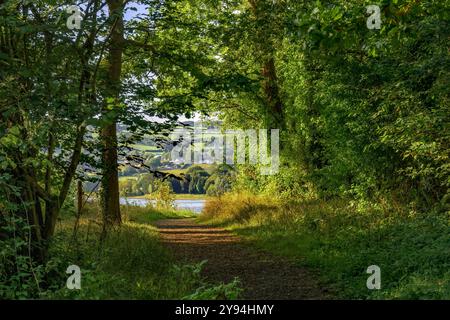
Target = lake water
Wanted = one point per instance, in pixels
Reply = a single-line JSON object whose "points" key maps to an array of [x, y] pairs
{"points": [[192, 205]]}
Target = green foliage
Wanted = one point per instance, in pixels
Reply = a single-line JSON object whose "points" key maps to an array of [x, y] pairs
{"points": [[363, 116], [364, 112], [230, 291], [195, 180], [189, 181], [163, 196], [20, 276], [130, 263], [220, 181], [370, 117]]}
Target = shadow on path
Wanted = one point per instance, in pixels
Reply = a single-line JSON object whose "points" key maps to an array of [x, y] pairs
{"points": [[262, 275]]}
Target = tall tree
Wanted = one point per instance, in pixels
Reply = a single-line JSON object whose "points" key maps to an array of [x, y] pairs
{"points": [[266, 23], [46, 69], [110, 179]]}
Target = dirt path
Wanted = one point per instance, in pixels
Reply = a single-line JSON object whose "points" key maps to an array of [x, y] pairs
{"points": [[262, 275]]}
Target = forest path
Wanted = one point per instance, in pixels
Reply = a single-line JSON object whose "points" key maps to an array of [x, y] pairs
{"points": [[262, 275]]}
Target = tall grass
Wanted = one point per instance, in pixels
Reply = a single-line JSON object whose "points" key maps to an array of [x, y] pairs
{"points": [[130, 263], [341, 240]]}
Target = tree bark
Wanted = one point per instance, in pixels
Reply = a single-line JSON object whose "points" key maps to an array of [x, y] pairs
{"points": [[270, 86], [110, 179], [272, 94]]}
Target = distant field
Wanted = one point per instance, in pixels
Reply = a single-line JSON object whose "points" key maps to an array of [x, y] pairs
{"points": [[143, 147], [176, 172], [207, 167], [126, 178]]}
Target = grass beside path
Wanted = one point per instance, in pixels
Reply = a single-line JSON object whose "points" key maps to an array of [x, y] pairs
{"points": [[131, 263], [341, 241]]}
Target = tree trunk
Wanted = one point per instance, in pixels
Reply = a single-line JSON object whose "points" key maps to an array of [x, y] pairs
{"points": [[265, 47], [272, 95], [79, 197], [110, 179], [314, 147]]}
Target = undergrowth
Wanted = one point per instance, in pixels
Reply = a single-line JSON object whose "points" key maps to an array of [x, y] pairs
{"points": [[341, 239], [130, 263]]}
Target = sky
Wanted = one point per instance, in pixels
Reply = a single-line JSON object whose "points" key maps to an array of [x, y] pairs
{"points": [[130, 14]]}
